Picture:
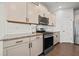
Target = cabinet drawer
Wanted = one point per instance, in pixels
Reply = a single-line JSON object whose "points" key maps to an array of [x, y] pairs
{"points": [[15, 42], [33, 38], [56, 37], [37, 37]]}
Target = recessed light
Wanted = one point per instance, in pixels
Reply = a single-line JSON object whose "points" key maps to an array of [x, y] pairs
{"points": [[60, 7]]}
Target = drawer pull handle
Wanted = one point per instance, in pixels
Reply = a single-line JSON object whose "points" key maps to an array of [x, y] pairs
{"points": [[31, 44], [38, 37], [19, 41]]}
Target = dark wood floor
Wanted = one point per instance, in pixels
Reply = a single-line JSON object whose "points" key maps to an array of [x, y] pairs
{"points": [[65, 49]]}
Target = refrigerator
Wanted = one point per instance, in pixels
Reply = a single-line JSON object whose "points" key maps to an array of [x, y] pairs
{"points": [[76, 26]]}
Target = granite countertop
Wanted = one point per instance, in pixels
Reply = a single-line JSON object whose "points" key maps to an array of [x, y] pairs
{"points": [[19, 36]]}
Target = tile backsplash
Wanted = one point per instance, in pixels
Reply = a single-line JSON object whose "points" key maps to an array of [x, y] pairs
{"points": [[14, 28], [47, 28]]}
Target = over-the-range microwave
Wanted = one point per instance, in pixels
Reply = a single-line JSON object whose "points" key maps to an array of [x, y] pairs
{"points": [[43, 20]]}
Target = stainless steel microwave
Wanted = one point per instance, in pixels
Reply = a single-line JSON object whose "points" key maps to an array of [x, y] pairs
{"points": [[43, 20]]}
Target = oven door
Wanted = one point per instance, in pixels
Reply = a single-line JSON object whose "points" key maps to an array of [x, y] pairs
{"points": [[48, 42]]}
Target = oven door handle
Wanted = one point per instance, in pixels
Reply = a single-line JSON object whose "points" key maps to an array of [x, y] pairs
{"points": [[48, 37]]}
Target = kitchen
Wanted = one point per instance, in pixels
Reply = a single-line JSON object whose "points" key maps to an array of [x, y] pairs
{"points": [[34, 28]]}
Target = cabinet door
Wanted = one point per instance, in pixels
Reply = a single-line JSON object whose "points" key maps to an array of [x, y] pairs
{"points": [[19, 50], [33, 12], [43, 10], [51, 17], [37, 46], [56, 37], [16, 11]]}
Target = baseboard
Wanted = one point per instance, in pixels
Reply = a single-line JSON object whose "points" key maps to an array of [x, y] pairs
{"points": [[76, 44], [57, 43], [67, 42]]}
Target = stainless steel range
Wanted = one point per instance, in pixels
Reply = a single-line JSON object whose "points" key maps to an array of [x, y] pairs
{"points": [[47, 41]]}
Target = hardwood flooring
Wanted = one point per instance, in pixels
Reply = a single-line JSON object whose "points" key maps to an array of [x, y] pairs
{"points": [[65, 49]]}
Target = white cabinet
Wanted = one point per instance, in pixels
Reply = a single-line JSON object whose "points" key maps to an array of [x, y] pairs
{"points": [[18, 50], [17, 47], [31, 46], [43, 11], [56, 37], [22, 12], [33, 12], [26, 12], [52, 18], [37, 45], [16, 11]]}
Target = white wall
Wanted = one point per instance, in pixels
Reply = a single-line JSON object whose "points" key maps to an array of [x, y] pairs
{"points": [[2, 20], [76, 28], [13, 29], [64, 22]]}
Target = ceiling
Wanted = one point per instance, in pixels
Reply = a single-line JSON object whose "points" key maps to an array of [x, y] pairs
{"points": [[52, 6]]}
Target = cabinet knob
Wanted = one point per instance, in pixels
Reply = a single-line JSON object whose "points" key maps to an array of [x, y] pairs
{"points": [[37, 37], [56, 35], [31, 44]]}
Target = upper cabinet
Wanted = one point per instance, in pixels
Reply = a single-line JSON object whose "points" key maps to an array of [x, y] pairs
{"points": [[33, 12], [16, 11], [51, 17], [27, 12], [43, 11]]}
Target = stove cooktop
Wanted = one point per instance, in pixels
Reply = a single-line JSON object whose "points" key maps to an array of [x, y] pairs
{"points": [[44, 32]]}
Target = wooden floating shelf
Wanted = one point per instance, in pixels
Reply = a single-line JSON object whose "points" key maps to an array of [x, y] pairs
{"points": [[20, 22], [16, 22], [26, 23]]}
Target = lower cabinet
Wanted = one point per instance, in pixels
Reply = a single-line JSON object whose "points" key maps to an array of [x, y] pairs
{"points": [[19, 50], [56, 37], [37, 46], [32, 46]]}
